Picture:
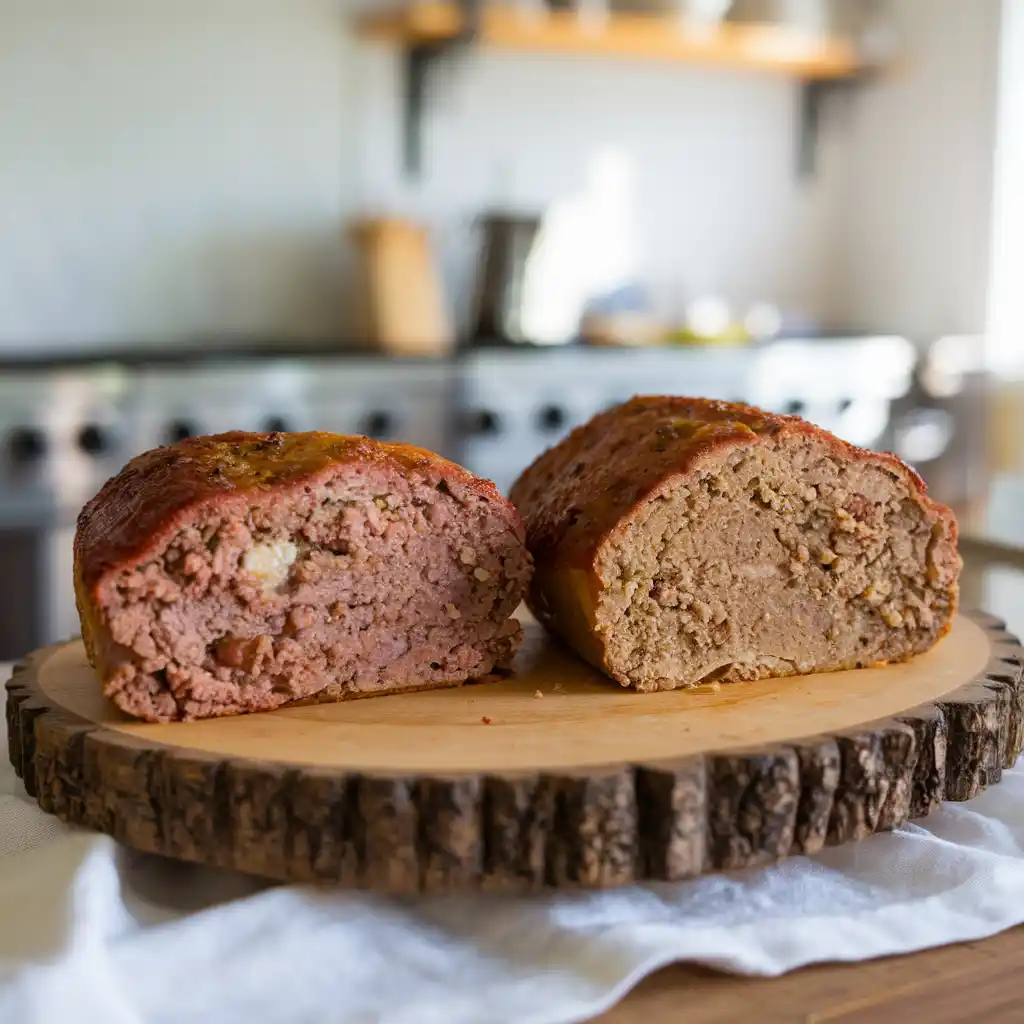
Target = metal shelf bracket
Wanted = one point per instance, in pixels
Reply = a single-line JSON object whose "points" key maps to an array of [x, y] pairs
{"points": [[815, 97], [420, 61]]}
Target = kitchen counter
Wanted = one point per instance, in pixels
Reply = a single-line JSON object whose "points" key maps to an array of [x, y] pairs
{"points": [[226, 351]]}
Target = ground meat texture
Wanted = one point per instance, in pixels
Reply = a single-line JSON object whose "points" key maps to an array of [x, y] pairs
{"points": [[243, 572], [681, 541]]}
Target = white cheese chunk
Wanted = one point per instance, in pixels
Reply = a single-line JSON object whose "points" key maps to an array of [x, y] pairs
{"points": [[271, 562]]}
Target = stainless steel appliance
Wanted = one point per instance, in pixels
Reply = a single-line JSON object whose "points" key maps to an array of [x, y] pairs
{"points": [[509, 243], [64, 431], [61, 435], [514, 404]]}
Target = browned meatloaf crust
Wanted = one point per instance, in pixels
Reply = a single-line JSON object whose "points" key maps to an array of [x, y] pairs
{"points": [[680, 541], [245, 571]]}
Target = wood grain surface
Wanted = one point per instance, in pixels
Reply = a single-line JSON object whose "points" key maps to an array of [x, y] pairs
{"points": [[970, 981], [554, 777], [637, 36]]}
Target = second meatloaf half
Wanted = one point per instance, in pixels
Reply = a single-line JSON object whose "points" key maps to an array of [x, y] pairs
{"points": [[241, 572], [681, 541]]}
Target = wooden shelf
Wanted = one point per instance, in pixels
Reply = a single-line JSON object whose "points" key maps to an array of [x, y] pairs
{"points": [[770, 48]]}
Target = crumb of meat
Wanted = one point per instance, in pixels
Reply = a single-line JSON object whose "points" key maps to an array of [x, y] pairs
{"points": [[784, 560], [356, 588]]}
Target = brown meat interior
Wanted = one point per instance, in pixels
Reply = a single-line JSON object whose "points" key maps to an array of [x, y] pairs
{"points": [[357, 585], [775, 561]]}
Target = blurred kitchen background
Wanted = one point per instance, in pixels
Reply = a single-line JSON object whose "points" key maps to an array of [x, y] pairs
{"points": [[472, 225]]}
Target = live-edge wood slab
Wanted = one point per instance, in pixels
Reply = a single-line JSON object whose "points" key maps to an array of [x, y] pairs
{"points": [[552, 777]]}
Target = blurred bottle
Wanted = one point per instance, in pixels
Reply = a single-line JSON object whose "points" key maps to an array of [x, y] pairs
{"points": [[591, 12], [703, 15], [509, 244], [525, 8], [694, 14], [870, 24], [810, 17]]}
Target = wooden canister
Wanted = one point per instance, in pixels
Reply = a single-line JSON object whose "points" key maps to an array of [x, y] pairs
{"points": [[403, 309]]}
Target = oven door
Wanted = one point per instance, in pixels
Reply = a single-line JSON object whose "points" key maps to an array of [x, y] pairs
{"points": [[37, 601]]}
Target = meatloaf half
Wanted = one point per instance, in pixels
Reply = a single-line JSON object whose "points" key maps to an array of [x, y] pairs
{"points": [[680, 541], [245, 571]]}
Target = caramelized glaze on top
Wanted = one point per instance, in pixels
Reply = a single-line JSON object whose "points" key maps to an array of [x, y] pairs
{"points": [[158, 488], [579, 490]]}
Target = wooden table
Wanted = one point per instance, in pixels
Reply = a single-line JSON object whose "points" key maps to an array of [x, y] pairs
{"points": [[972, 981]]}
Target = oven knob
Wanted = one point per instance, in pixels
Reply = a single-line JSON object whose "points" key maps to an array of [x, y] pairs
{"points": [[179, 430], [276, 425], [26, 444], [482, 422], [95, 440], [551, 418], [378, 424]]}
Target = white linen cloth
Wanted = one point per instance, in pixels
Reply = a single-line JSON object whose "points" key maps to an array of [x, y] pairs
{"points": [[91, 932]]}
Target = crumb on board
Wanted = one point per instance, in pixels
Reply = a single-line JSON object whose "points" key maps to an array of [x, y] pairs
{"points": [[537, 694], [559, 688], [485, 720]]}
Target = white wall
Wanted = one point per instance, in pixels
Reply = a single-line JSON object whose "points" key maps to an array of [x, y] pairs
{"points": [[186, 169], [182, 170], [171, 169], [1006, 297], [912, 235]]}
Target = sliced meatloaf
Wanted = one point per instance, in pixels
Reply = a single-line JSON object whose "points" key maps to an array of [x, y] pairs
{"points": [[680, 541], [245, 571]]}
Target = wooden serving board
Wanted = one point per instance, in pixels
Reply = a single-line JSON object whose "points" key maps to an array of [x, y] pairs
{"points": [[554, 776]]}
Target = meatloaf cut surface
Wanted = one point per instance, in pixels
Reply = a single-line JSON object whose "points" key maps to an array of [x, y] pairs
{"points": [[680, 541], [241, 572]]}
